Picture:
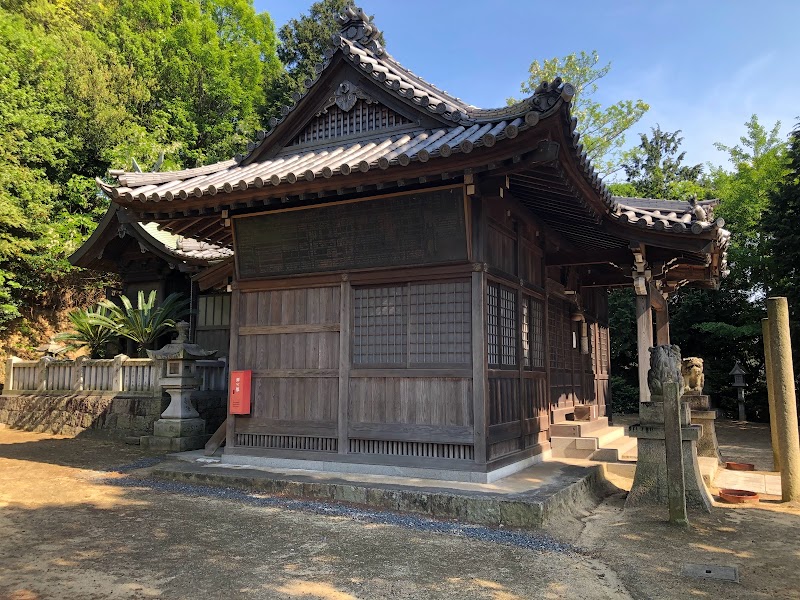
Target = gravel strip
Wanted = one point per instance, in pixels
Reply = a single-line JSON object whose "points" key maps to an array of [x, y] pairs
{"points": [[529, 540]]}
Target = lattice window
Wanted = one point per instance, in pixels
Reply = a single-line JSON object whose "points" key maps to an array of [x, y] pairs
{"points": [[335, 122], [558, 335], [439, 323], [532, 333], [603, 335], [502, 326], [379, 325], [412, 324], [493, 325]]}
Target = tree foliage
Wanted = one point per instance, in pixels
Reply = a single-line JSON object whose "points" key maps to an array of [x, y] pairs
{"points": [[602, 127], [782, 234], [143, 323], [655, 168], [723, 325], [87, 332], [88, 85], [303, 42]]}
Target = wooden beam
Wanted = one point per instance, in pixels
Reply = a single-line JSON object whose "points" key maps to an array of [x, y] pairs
{"points": [[620, 257], [662, 325], [644, 341], [217, 439]]}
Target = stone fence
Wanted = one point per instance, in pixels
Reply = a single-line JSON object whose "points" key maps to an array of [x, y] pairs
{"points": [[121, 374]]}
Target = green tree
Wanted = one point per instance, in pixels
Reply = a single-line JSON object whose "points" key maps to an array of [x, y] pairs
{"points": [[184, 77], [602, 128], [145, 322], [303, 41], [655, 168], [780, 225], [759, 167]]}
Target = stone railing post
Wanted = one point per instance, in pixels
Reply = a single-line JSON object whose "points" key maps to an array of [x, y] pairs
{"points": [[77, 374], [12, 360], [116, 373], [41, 371]]}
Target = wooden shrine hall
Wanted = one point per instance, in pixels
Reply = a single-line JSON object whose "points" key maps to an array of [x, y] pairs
{"points": [[420, 285]]}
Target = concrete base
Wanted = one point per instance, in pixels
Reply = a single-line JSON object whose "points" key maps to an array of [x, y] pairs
{"points": [[539, 496], [173, 444], [707, 445], [333, 466], [176, 435]]}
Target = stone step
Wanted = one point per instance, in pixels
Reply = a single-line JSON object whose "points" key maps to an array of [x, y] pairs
{"points": [[572, 447], [578, 428], [584, 447], [615, 451]]}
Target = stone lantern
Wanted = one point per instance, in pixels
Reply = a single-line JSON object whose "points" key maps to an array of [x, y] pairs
{"points": [[738, 382], [180, 426]]}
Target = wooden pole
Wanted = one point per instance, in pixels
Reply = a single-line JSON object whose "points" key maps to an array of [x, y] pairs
{"points": [[644, 341], [785, 399], [676, 483], [662, 326], [773, 424]]}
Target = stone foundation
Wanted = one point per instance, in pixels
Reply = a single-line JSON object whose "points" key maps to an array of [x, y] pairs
{"points": [[119, 416]]}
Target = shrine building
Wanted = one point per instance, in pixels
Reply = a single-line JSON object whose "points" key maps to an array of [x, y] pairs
{"points": [[419, 286]]}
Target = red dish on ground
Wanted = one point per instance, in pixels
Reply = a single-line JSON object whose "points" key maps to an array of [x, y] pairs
{"points": [[739, 496], [735, 466]]}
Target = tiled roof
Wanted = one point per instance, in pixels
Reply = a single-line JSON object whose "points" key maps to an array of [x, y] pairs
{"points": [[469, 128], [186, 247]]}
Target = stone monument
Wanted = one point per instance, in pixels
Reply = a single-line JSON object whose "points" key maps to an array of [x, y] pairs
{"points": [[180, 427], [651, 483], [702, 415]]}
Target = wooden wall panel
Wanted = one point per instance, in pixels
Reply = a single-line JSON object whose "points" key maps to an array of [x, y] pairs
{"points": [[295, 375], [424, 401], [296, 398]]}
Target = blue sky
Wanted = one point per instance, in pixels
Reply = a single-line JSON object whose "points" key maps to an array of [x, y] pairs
{"points": [[704, 66]]}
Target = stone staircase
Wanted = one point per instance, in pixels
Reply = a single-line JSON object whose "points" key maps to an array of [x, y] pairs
{"points": [[594, 440]]}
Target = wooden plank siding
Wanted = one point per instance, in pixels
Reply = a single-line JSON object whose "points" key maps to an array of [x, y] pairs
{"points": [[416, 366]]}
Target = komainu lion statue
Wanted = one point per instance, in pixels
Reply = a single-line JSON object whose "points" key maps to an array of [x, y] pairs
{"points": [[692, 371], [665, 367]]}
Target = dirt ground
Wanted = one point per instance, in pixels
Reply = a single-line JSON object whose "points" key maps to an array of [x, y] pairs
{"points": [[71, 527]]}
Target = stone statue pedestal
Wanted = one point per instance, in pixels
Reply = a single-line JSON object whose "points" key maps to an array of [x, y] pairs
{"points": [[650, 484], [703, 416]]}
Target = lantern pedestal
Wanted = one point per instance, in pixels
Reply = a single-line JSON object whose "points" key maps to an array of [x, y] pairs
{"points": [[180, 427], [703, 416]]}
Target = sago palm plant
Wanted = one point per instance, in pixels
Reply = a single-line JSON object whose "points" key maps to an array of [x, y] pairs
{"points": [[87, 332], [146, 322]]}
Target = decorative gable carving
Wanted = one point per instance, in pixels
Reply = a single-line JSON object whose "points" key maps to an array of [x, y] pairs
{"points": [[349, 111]]}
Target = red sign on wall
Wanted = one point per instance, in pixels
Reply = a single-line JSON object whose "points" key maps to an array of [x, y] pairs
{"points": [[239, 394]]}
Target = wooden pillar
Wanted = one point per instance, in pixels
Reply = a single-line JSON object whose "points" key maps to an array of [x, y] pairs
{"points": [[662, 325], [644, 341], [479, 358], [233, 364], [344, 364], [785, 398]]}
